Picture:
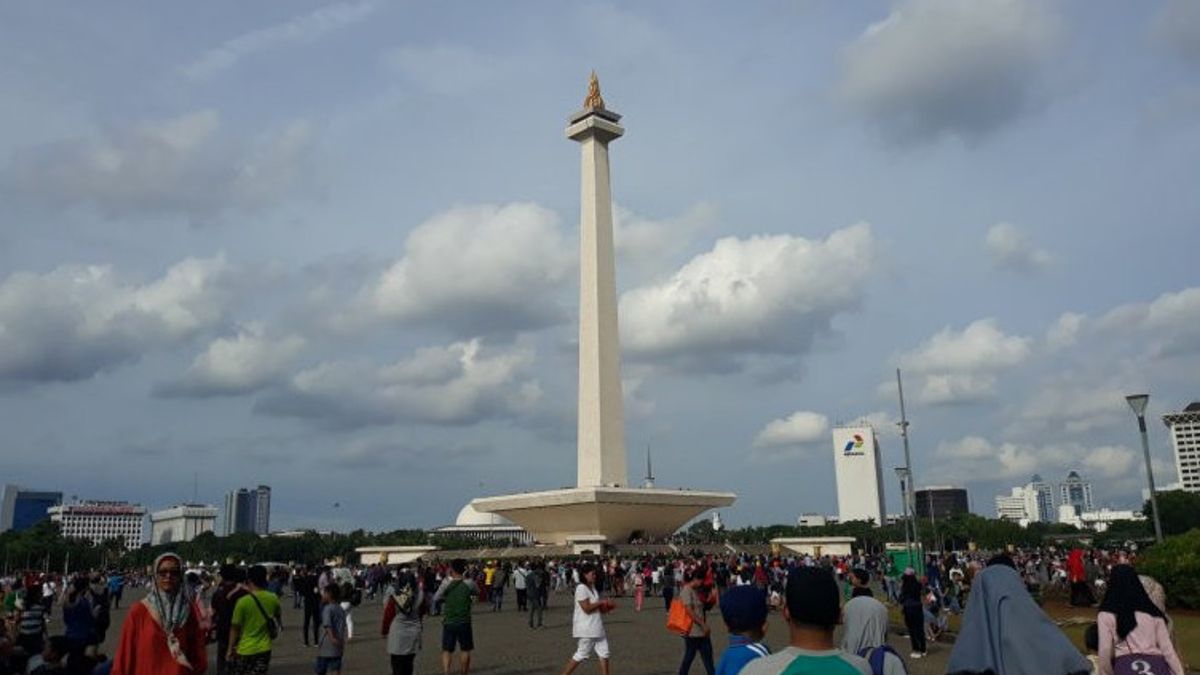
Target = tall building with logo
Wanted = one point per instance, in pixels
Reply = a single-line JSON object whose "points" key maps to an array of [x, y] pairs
{"points": [[248, 510], [101, 521], [1076, 493], [21, 509], [1185, 442], [181, 523], [859, 474]]}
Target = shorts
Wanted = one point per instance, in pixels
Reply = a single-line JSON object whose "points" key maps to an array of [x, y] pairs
{"points": [[328, 663], [588, 645], [457, 633], [254, 664]]}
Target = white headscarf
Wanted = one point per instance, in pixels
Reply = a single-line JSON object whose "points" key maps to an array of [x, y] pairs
{"points": [[172, 610], [866, 621]]}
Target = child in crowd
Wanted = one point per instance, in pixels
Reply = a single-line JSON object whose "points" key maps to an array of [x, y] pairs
{"points": [[332, 644], [744, 609]]}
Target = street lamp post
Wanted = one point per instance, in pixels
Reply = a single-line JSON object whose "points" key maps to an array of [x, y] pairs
{"points": [[1138, 403], [902, 474]]}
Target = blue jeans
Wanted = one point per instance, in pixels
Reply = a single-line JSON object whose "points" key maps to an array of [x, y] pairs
{"points": [[692, 645], [326, 664]]}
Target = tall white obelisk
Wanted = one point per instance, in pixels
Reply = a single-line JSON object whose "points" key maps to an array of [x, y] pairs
{"points": [[601, 441], [602, 508]]}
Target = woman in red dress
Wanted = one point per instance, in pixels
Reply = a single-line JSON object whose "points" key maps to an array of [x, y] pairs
{"points": [[163, 634]]}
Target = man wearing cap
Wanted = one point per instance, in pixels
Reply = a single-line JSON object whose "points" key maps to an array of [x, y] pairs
{"points": [[744, 609], [812, 611]]}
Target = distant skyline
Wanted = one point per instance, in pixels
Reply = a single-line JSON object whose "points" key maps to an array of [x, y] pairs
{"points": [[332, 247]]}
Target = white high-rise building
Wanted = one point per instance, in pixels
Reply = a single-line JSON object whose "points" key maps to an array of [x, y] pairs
{"points": [[1076, 493], [1012, 506], [859, 475], [182, 523], [1039, 501], [101, 521], [1185, 441]]}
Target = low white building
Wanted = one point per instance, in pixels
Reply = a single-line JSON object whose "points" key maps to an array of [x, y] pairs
{"points": [[1095, 520], [182, 523], [101, 521], [1012, 506], [474, 524], [816, 546], [812, 520]]}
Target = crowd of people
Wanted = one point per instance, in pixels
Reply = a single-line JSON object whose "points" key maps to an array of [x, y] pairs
{"points": [[1003, 629]]}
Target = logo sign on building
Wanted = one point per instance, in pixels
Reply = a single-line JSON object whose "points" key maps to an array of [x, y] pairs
{"points": [[859, 476]]}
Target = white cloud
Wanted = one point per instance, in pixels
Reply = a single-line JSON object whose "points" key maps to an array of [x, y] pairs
{"points": [[478, 269], [1065, 331], [961, 366], [1073, 405], [457, 384], [979, 346], [936, 67], [75, 321], [237, 364], [182, 165], [302, 28], [1177, 27], [1168, 326], [762, 295], [973, 456], [644, 244], [1012, 250], [798, 428]]}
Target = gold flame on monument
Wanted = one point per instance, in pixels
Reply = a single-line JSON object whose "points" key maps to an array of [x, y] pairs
{"points": [[593, 100]]}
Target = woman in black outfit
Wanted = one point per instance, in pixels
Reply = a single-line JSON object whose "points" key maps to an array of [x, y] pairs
{"points": [[914, 613]]}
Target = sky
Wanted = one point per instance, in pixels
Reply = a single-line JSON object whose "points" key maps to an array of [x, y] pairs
{"points": [[333, 247]]}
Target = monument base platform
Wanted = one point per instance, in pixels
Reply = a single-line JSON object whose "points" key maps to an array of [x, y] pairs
{"points": [[594, 515]]}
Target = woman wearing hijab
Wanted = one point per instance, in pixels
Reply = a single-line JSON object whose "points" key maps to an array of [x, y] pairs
{"points": [[914, 612], [866, 626], [402, 623], [1134, 637], [1081, 592], [1158, 595], [1004, 632], [162, 634]]}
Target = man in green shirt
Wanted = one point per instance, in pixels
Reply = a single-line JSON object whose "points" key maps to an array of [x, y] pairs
{"points": [[812, 611], [456, 592], [251, 626]]}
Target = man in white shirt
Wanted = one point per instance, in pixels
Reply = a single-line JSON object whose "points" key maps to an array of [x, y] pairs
{"points": [[587, 626], [519, 583]]}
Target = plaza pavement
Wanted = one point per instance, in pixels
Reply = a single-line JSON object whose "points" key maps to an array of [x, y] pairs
{"points": [[506, 646]]}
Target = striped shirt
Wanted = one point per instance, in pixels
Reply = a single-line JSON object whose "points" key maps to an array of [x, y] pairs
{"points": [[33, 620]]}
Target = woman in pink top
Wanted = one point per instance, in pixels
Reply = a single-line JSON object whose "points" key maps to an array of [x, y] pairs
{"points": [[1133, 631]]}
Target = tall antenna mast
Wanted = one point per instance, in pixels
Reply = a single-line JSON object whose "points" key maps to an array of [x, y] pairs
{"points": [[649, 482], [909, 502]]}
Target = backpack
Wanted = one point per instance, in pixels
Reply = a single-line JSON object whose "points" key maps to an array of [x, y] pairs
{"points": [[877, 656], [404, 599]]}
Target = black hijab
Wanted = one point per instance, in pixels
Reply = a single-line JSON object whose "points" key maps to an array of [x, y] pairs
{"points": [[910, 588], [1126, 595]]}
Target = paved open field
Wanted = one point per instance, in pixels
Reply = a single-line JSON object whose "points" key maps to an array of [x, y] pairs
{"points": [[506, 646]]}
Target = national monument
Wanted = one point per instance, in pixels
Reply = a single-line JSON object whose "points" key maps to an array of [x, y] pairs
{"points": [[601, 508]]}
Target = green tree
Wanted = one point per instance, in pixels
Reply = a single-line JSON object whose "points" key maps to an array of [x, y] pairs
{"points": [[1178, 511]]}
